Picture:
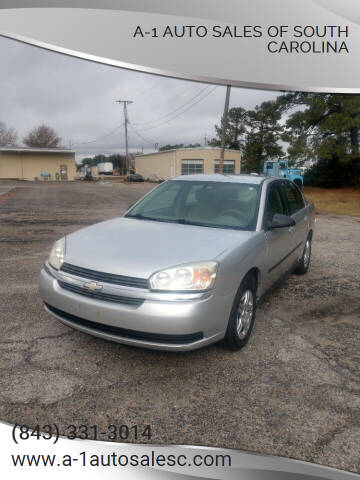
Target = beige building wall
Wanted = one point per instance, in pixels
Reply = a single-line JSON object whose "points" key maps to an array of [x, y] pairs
{"points": [[161, 164], [168, 164], [10, 166], [30, 165]]}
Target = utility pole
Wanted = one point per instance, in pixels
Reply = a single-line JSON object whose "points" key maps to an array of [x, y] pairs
{"points": [[223, 128], [127, 163]]}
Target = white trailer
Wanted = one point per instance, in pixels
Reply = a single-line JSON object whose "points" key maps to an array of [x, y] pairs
{"points": [[105, 168]]}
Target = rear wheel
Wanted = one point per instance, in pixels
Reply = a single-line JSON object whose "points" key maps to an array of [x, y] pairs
{"points": [[304, 263], [242, 315]]}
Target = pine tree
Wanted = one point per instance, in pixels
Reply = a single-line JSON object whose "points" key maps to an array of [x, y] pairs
{"points": [[327, 126], [235, 131], [264, 132]]}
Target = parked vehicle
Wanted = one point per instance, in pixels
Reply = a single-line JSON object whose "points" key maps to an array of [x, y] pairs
{"points": [[185, 266], [105, 168], [155, 179], [135, 177], [281, 169], [88, 176]]}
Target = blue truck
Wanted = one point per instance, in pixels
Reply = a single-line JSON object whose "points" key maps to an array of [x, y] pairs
{"points": [[273, 168]]}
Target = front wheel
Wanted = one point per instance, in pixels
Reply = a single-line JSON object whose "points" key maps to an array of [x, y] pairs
{"points": [[242, 315], [304, 263]]}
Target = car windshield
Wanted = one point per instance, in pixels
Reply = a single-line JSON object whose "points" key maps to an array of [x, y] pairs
{"points": [[208, 204]]}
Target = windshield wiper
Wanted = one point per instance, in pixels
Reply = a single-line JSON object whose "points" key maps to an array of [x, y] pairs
{"points": [[183, 221], [140, 216]]}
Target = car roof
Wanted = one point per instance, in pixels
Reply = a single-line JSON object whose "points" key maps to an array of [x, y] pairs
{"points": [[218, 177]]}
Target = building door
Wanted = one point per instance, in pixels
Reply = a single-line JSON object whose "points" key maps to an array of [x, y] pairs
{"points": [[63, 172]]}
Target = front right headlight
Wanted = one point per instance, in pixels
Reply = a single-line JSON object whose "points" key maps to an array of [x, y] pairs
{"points": [[188, 277], [57, 254]]}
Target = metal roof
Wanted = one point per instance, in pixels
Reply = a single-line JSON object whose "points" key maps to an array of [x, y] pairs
{"points": [[35, 150], [187, 150]]}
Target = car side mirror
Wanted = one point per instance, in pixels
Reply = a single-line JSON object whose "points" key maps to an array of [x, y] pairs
{"points": [[280, 221]]}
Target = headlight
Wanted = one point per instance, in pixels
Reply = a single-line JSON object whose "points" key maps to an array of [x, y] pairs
{"points": [[195, 276], [57, 254]]}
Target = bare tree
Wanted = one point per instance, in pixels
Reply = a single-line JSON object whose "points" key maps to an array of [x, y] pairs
{"points": [[42, 137], [8, 136]]}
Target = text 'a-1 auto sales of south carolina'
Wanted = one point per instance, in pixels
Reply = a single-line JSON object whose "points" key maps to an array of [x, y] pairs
{"points": [[318, 39]]}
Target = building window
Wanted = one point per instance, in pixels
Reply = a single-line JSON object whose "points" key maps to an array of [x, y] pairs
{"points": [[188, 167], [228, 166]]}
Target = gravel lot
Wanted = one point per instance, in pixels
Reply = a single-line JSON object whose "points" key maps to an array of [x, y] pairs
{"points": [[293, 391]]}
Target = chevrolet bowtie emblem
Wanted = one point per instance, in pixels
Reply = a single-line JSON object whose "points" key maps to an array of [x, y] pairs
{"points": [[93, 286]]}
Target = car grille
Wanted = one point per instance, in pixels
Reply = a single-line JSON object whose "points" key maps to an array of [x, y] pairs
{"points": [[106, 297], [160, 338], [105, 277]]}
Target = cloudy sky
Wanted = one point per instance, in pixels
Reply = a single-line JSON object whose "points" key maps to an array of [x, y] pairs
{"points": [[78, 99]]}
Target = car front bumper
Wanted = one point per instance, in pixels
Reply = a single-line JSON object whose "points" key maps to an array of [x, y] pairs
{"points": [[161, 322]]}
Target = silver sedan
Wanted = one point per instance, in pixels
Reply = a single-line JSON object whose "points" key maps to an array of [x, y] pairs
{"points": [[185, 266]]}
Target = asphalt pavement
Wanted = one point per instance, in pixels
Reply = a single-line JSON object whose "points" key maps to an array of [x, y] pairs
{"points": [[293, 391]]}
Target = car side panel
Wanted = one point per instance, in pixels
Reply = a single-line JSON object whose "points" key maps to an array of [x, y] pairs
{"points": [[299, 233], [278, 254], [278, 242], [237, 261]]}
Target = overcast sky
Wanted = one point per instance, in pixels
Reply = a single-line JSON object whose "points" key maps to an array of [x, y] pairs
{"points": [[78, 99]]}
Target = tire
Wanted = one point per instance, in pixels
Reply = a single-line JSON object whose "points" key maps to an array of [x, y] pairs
{"points": [[238, 332], [304, 263]]}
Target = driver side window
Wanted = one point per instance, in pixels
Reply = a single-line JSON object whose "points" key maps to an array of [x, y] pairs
{"points": [[274, 203], [163, 199]]}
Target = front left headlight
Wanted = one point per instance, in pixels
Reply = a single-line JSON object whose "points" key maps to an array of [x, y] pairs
{"points": [[57, 254], [195, 276]]}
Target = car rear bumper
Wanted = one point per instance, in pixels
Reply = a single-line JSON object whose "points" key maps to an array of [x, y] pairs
{"points": [[155, 323]]}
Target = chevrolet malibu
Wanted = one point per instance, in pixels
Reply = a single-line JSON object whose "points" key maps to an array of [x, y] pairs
{"points": [[185, 266]]}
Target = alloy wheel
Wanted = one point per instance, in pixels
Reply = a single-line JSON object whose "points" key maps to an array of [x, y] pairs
{"points": [[244, 314], [307, 251]]}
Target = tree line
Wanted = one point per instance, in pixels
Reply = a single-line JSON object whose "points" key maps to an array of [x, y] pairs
{"points": [[323, 128], [320, 127], [39, 137]]}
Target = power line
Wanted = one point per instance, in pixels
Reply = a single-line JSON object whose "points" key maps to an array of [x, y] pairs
{"points": [[154, 144], [180, 113], [100, 138], [176, 109], [178, 95], [171, 115]]}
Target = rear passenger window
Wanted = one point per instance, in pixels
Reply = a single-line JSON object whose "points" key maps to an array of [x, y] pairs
{"points": [[294, 198]]}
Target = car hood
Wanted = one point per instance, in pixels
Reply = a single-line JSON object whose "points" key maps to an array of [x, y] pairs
{"points": [[138, 248]]}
